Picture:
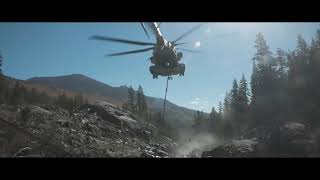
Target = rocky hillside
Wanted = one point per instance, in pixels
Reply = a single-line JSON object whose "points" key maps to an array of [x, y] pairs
{"points": [[176, 115], [97, 130]]}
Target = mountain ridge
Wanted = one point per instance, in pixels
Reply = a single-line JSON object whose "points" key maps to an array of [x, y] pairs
{"points": [[176, 115]]}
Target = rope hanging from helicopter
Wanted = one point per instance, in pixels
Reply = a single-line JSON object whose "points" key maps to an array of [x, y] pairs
{"points": [[165, 98]]}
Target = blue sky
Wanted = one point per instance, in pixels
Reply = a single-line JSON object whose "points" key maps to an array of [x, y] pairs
{"points": [[53, 49]]}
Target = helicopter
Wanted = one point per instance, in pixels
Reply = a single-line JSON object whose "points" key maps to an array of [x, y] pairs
{"points": [[165, 57]]}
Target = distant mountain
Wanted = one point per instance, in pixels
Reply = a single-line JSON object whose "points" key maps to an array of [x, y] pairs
{"points": [[175, 115], [81, 83]]}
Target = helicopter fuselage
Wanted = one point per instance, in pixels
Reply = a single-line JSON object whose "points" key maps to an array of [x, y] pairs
{"points": [[164, 53], [165, 59]]}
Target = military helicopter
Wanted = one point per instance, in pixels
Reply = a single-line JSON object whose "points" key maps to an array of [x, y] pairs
{"points": [[165, 56]]}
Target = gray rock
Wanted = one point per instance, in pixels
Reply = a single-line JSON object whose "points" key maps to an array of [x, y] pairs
{"points": [[290, 139], [235, 148], [292, 130], [88, 131]]}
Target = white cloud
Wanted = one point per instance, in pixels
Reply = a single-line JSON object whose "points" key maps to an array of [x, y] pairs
{"points": [[194, 102], [197, 44], [199, 103]]}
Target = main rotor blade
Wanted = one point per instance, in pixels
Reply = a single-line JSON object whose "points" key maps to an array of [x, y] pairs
{"points": [[181, 43], [105, 38], [187, 33], [144, 28], [190, 50], [130, 52]]}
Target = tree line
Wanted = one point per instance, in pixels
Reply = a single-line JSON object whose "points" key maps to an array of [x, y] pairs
{"points": [[284, 87], [136, 102], [137, 105]]}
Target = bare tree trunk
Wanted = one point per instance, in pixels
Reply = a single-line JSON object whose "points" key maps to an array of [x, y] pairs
{"points": [[21, 150], [122, 139]]}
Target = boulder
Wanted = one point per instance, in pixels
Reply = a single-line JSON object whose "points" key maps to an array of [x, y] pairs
{"points": [[33, 115], [295, 141], [110, 113], [292, 130], [235, 148], [290, 139]]}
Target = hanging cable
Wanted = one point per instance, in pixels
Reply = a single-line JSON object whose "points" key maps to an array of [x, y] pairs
{"points": [[165, 99]]}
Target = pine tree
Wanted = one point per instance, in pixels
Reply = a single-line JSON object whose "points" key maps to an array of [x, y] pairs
{"points": [[220, 109], [282, 63], [226, 104], [300, 78], [302, 59], [64, 102], [23, 90], [317, 38], [291, 57], [16, 96], [2, 90], [264, 82], [236, 116], [214, 120], [44, 98], [131, 100], [263, 54], [1, 61], [234, 103], [78, 100], [313, 105], [243, 108], [141, 103], [243, 93], [281, 92], [302, 50], [33, 96], [198, 120], [3, 85], [303, 84], [214, 115], [254, 83]]}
